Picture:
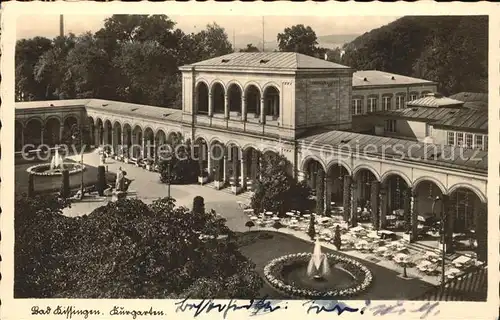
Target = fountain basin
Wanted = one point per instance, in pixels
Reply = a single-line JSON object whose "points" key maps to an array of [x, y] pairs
{"points": [[288, 275], [44, 169]]}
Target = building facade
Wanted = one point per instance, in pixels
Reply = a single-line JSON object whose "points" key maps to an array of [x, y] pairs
{"points": [[250, 104]]}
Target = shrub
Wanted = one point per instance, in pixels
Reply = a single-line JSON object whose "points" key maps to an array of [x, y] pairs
{"points": [[101, 180], [198, 204], [249, 224], [311, 232], [31, 185], [277, 225], [65, 192]]}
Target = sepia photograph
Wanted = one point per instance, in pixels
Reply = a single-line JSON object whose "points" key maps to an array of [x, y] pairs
{"points": [[272, 157]]}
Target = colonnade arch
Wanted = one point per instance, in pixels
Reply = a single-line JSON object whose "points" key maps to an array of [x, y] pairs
{"points": [[233, 100]]}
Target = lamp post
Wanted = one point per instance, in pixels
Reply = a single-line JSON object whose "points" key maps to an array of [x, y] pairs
{"points": [[442, 236], [82, 148]]}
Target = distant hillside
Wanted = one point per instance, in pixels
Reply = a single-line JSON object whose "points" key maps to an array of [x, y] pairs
{"points": [[333, 41], [451, 50]]}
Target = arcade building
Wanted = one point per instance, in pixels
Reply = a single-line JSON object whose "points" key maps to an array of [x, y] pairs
{"points": [[318, 115]]}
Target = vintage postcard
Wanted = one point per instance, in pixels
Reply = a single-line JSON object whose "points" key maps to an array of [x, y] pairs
{"points": [[208, 160]]}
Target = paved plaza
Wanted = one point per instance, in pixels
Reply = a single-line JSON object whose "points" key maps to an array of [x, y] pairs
{"points": [[146, 186]]}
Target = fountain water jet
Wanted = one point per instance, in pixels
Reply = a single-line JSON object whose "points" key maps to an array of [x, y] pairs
{"points": [[318, 266], [56, 162]]}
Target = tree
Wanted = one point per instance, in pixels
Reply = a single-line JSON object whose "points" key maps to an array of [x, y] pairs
{"points": [[250, 224], [277, 225], [51, 68], [298, 38], [250, 48], [311, 231], [180, 168], [65, 192], [337, 240], [213, 42], [129, 250], [28, 51], [101, 180], [198, 204], [277, 190], [31, 185]]}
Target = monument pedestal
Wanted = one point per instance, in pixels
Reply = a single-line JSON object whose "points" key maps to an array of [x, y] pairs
{"points": [[118, 195]]}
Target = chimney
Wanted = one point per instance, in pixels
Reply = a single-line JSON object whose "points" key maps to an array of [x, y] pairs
{"points": [[61, 26]]}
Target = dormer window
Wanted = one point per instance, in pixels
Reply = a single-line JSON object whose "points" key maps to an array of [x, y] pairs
{"points": [[225, 60], [392, 78], [264, 61], [134, 109], [105, 104], [365, 79]]}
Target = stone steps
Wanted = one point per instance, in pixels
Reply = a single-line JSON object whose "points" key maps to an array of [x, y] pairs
{"points": [[245, 194]]}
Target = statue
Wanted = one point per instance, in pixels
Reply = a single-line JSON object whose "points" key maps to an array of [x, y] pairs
{"points": [[120, 188], [120, 180], [318, 265]]}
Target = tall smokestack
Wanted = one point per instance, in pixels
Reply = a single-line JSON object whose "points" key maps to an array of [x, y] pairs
{"points": [[61, 25]]}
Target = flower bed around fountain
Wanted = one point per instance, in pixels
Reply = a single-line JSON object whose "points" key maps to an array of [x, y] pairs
{"points": [[44, 169], [275, 275]]}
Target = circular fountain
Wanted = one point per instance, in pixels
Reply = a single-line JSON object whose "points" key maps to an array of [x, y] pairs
{"points": [[55, 167], [317, 275]]}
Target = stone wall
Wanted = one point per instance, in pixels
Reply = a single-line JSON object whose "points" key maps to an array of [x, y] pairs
{"points": [[322, 100]]}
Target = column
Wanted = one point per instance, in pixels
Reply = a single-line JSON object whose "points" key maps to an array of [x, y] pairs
{"points": [[234, 162], [113, 141], [96, 136], [354, 202], [41, 135], [143, 151], [262, 111], [124, 142], [383, 207], [209, 164], [406, 211], [449, 210], [225, 167], [320, 192], [243, 108], [482, 232], [374, 199], [210, 105], [61, 132], [226, 106], [328, 194], [243, 171], [301, 176], [255, 162], [414, 216], [347, 197]]}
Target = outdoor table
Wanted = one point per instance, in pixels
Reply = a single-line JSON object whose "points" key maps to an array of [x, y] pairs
{"points": [[423, 265], [307, 215], [401, 258], [254, 218], [275, 218], [291, 214], [269, 213], [248, 211], [452, 273]]}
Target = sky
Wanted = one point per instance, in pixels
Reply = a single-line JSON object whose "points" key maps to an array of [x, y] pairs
{"points": [[29, 26]]}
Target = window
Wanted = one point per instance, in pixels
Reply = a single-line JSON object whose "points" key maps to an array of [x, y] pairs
{"points": [[386, 103], [413, 96], [428, 130], [400, 102], [372, 104], [451, 138], [390, 125], [485, 142], [460, 138], [468, 140], [356, 106], [478, 144]]}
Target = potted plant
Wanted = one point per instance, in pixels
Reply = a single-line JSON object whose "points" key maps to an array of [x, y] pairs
{"points": [[249, 224], [149, 165], [235, 185], [203, 177]]}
